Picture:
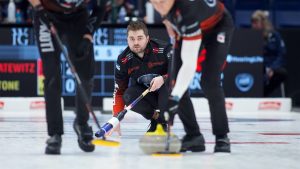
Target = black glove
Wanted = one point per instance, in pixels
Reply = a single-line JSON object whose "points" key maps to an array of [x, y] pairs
{"points": [[172, 109], [85, 48], [173, 104], [146, 79], [43, 14]]}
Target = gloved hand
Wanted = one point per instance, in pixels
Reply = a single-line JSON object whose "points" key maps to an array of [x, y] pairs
{"points": [[173, 104], [146, 79], [85, 48], [43, 14], [172, 109]]}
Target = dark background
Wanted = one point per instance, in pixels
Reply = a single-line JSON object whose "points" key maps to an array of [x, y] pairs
{"points": [[245, 43]]}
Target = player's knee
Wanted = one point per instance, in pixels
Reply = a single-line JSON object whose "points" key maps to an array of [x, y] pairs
{"points": [[146, 115], [86, 73], [52, 84], [129, 96], [186, 95], [126, 99], [210, 86], [85, 68], [204, 84], [88, 84], [185, 99]]}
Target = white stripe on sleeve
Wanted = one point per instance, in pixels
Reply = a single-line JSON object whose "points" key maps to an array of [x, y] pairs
{"points": [[189, 56]]}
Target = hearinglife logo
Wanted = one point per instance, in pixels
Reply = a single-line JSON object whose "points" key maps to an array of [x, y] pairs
{"points": [[244, 59], [244, 82]]}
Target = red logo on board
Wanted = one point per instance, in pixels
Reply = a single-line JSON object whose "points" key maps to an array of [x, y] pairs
{"points": [[269, 105], [229, 105], [37, 105], [1, 104]]}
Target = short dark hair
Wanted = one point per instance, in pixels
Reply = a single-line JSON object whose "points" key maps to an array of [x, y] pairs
{"points": [[137, 25]]}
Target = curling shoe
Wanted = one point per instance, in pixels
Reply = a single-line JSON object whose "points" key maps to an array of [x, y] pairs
{"points": [[85, 136], [193, 143], [222, 144], [53, 145]]}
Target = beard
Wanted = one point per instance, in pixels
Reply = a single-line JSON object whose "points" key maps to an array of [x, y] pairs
{"points": [[138, 49]]}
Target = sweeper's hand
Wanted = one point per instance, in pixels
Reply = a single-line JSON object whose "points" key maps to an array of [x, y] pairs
{"points": [[173, 103], [85, 47], [156, 83], [115, 129]]}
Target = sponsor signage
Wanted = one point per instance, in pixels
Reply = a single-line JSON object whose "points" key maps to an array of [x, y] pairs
{"points": [[37, 105], [229, 105], [243, 70], [22, 75], [269, 105], [18, 78], [244, 82], [2, 104]]}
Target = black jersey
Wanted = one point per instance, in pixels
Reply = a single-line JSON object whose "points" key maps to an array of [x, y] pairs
{"points": [[64, 6], [70, 4], [190, 17], [130, 67], [74, 6]]}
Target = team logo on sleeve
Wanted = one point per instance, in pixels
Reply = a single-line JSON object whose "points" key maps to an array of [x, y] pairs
{"points": [[116, 86], [221, 37], [118, 67], [127, 58], [70, 3], [170, 54], [211, 3]]}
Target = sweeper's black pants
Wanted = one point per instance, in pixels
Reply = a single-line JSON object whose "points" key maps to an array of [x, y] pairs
{"points": [[71, 28]]}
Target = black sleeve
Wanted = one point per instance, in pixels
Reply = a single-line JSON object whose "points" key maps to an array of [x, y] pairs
{"points": [[193, 13], [97, 15], [121, 84], [277, 46], [189, 21], [121, 76], [167, 51], [168, 56]]}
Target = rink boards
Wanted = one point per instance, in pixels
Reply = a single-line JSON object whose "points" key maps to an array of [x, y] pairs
{"points": [[200, 104]]}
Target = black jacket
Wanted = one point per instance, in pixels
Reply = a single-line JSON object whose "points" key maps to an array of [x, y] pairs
{"points": [[274, 51], [189, 18], [130, 67], [61, 7]]}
